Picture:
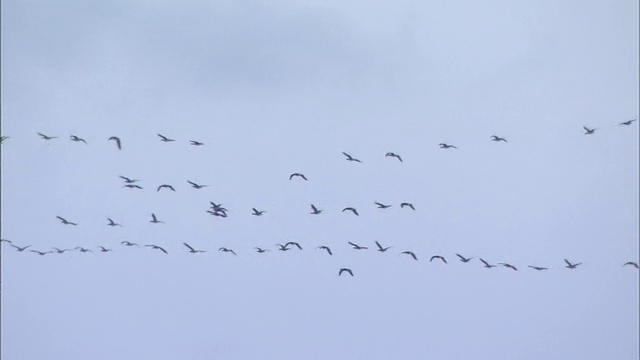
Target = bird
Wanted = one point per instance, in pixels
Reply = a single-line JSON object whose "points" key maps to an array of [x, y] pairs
{"points": [[46, 137], [164, 138], [128, 180], [353, 210], [163, 186], [196, 186], [41, 253], [191, 249], [464, 259], [117, 140], [438, 257], [224, 249], [539, 268], [347, 270], [486, 264], [447, 146], [104, 249], [357, 247], [627, 123], [391, 154], [508, 266], [323, 247], [257, 212], [632, 264], [5, 240], [155, 220], [77, 139], [133, 186], [83, 250], [382, 206], [410, 253], [260, 250], [282, 247], [21, 249], [218, 213], [195, 143], [299, 175], [409, 205], [294, 244], [498, 138], [65, 221], [381, 248], [128, 243], [60, 251], [156, 247], [588, 131], [570, 265], [350, 158], [217, 207], [315, 211], [112, 223]]}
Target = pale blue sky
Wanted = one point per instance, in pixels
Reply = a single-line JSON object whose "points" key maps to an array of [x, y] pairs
{"points": [[279, 87]]}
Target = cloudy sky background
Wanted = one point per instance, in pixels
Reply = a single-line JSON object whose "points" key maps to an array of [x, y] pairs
{"points": [[279, 87]]}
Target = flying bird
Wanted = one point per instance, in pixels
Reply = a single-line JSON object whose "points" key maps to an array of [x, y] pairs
{"points": [[347, 270], [410, 253], [5, 240], [463, 259], [498, 138], [128, 180], [155, 220], [196, 186], [164, 138], [282, 247], [350, 158], [588, 131], [133, 186], [382, 206], [21, 249], [260, 250], [487, 265], [315, 211], [390, 154], [46, 137], [192, 250], [218, 213], [60, 251], [224, 249], [104, 249], [112, 223], [165, 186], [41, 253], [156, 247], [297, 174], [353, 210], [129, 243], [294, 244], [447, 146], [409, 205], [65, 221], [257, 212], [83, 250], [323, 247], [508, 266], [632, 264], [77, 139], [627, 123], [382, 249], [539, 268], [570, 265], [357, 247], [117, 140], [195, 143], [438, 257]]}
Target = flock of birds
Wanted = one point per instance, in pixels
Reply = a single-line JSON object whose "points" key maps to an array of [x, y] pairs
{"points": [[219, 210]]}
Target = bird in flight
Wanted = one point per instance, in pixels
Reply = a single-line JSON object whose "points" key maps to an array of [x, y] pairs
{"points": [[508, 266], [539, 268], [438, 257], [447, 146], [83, 250], [260, 250], [117, 140], [347, 270], [410, 253], [165, 139], [155, 220], [498, 138], [409, 205], [224, 249], [128, 180], [133, 186], [391, 154], [282, 247], [60, 251], [77, 139], [323, 247], [129, 243], [627, 123], [156, 247], [7, 241], [196, 186], [65, 221], [191, 249], [299, 175], [112, 223], [165, 186], [631, 263], [381, 248], [104, 249], [588, 131], [21, 249], [315, 211], [463, 259], [350, 158], [46, 137], [195, 143], [41, 253], [382, 206], [486, 264], [257, 212], [353, 210], [570, 265], [294, 244], [357, 247]]}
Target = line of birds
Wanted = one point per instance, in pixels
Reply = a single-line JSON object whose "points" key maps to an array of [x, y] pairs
{"points": [[292, 244]]}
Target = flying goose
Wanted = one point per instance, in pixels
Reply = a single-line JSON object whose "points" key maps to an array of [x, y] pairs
{"points": [[156, 247], [627, 123], [294, 244], [65, 221], [165, 186], [104, 249], [410, 253], [46, 137], [282, 247], [508, 266], [315, 211], [164, 138], [498, 138], [112, 223], [487, 265], [323, 247], [20, 249], [382, 206], [353, 210], [192, 250], [570, 265], [260, 250], [41, 253], [588, 131], [382, 249], [195, 143], [350, 158], [390, 154], [196, 186], [257, 212], [463, 259], [83, 250], [133, 186], [447, 146], [77, 139], [438, 257], [60, 251], [297, 174], [117, 140], [539, 268], [224, 249], [347, 270], [129, 243], [409, 205], [128, 180], [632, 264], [155, 220], [357, 247]]}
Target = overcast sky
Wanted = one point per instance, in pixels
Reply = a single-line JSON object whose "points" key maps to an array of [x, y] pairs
{"points": [[278, 87]]}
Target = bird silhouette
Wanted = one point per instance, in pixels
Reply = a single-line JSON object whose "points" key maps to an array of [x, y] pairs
{"points": [[60, 251], [83, 250], [357, 247], [627, 123], [382, 206], [165, 139], [155, 220], [353, 210], [133, 186], [7, 241], [65, 221], [350, 158], [117, 140], [410, 253], [343, 270], [588, 131], [381, 248], [323, 247], [390, 154], [112, 223], [260, 250], [128, 180], [165, 186], [20, 249], [315, 211], [570, 265], [282, 247], [195, 143], [129, 243], [539, 268], [156, 247], [196, 186], [77, 139], [447, 146], [294, 244], [498, 138], [631, 263], [104, 249], [299, 175], [41, 253], [486, 264], [257, 212], [438, 257], [224, 249], [463, 259], [191, 249], [409, 205], [46, 137], [508, 266]]}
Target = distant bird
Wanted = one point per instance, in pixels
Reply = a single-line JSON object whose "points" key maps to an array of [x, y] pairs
{"points": [[218, 213], [77, 139], [539, 268], [112, 223], [196, 143], [133, 186], [438, 257], [588, 131], [347, 270], [217, 207], [627, 123], [353, 210], [407, 205], [350, 158], [297, 174], [357, 247], [410, 253], [381, 248], [65, 221], [104, 249], [257, 212], [498, 138], [508, 266], [390, 154], [60, 251], [129, 243], [570, 265], [464, 259], [323, 247], [165, 186], [83, 250], [21, 249], [196, 186], [447, 146], [382, 206], [315, 211], [5, 240], [46, 137], [117, 140], [128, 180], [155, 220], [282, 247], [41, 253], [156, 247], [632, 264], [224, 249], [294, 244], [191, 249], [260, 250], [487, 265], [164, 138]]}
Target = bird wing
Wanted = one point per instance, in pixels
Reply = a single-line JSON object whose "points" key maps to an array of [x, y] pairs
{"points": [[190, 248], [354, 245], [484, 262], [153, 216], [568, 263]]}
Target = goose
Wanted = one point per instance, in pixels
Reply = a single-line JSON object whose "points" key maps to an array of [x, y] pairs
{"points": [[282, 247], [382, 206], [315, 211], [133, 186], [323, 247], [257, 212], [463, 259], [260, 250], [195, 143], [438, 257], [165, 139], [65, 221], [196, 186], [224, 249], [191, 249], [410, 253], [635, 265], [41, 253], [299, 175], [390, 154], [46, 137], [588, 131], [83, 250], [117, 140], [128, 180], [357, 247], [165, 186], [570, 265], [627, 123], [350, 158], [447, 146], [113, 223], [487, 265], [498, 138], [538, 268], [129, 243], [21, 249], [347, 270], [219, 213], [77, 139], [508, 266], [382, 249], [104, 249], [294, 244], [353, 210], [156, 247], [155, 220], [60, 251], [409, 205]]}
